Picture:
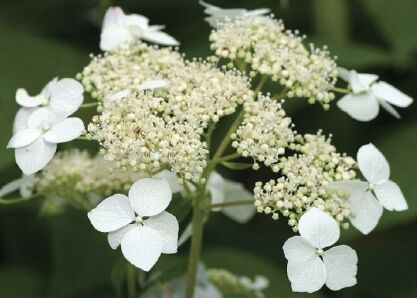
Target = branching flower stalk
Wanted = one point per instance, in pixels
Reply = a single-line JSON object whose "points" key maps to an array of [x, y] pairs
{"points": [[156, 116]]}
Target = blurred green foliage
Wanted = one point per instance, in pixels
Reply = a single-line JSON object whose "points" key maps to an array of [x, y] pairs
{"points": [[60, 255]]}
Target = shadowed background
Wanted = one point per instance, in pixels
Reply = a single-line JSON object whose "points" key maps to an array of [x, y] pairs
{"points": [[58, 254]]}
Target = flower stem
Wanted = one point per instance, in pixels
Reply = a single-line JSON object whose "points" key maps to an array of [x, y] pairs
{"points": [[15, 201], [89, 105], [196, 241], [131, 281], [225, 158], [232, 203], [341, 90]]}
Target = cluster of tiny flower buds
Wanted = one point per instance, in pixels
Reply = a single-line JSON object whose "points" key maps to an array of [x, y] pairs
{"points": [[148, 130], [78, 178], [264, 133], [303, 180], [270, 49]]}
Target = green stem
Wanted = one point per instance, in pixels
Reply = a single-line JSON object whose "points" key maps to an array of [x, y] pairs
{"points": [[131, 281], [341, 90], [225, 158], [15, 201], [199, 213], [232, 203], [89, 105], [261, 84], [83, 138]]}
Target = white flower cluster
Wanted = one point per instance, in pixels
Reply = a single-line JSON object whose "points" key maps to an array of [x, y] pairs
{"points": [[270, 49], [76, 176], [303, 180], [265, 132], [127, 66]]}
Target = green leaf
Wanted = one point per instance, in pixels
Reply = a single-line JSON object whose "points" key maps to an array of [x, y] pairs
{"points": [[247, 264], [237, 165], [20, 283], [397, 21], [357, 55], [36, 61], [82, 258]]}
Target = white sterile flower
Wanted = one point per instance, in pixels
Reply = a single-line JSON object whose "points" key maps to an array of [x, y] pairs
{"points": [[138, 222], [367, 199], [148, 85], [218, 15], [23, 184], [61, 97], [119, 28], [259, 283], [309, 266], [368, 94], [36, 145], [224, 190]]}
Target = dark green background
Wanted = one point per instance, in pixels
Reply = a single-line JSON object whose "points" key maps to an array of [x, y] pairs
{"points": [[60, 255]]}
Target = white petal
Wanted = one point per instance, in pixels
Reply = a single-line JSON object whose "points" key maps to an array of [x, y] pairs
{"points": [[115, 238], [171, 178], [186, 234], [150, 196], [216, 186], [112, 214], [257, 12], [114, 15], [142, 247], [10, 187], [26, 186], [308, 276], [24, 138], [367, 79], [373, 164], [362, 107], [160, 38], [390, 196], [167, 225], [27, 101], [149, 85], [341, 266], [65, 131], [114, 35], [41, 118], [136, 20], [296, 249], [391, 94], [34, 157], [235, 191], [344, 74], [389, 108], [365, 211], [66, 96], [353, 187], [319, 228], [21, 119]]}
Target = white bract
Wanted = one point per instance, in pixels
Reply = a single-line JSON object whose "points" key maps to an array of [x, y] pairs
{"points": [[138, 223], [309, 266], [61, 97], [367, 199], [368, 94], [23, 185], [37, 143], [218, 15], [148, 85], [119, 28]]}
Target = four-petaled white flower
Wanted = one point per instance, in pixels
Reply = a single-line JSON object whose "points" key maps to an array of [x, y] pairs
{"points": [[61, 97], [119, 28], [309, 266], [367, 94], [138, 222], [219, 15], [367, 199], [36, 145]]}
